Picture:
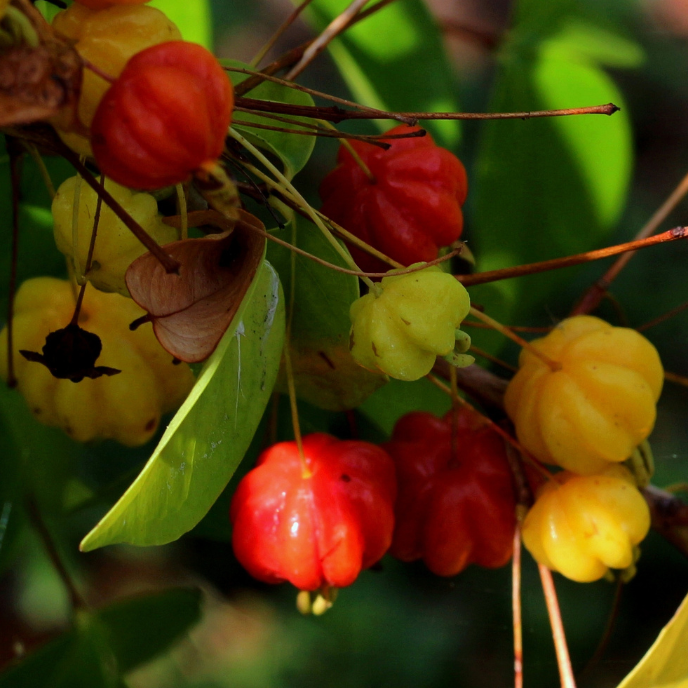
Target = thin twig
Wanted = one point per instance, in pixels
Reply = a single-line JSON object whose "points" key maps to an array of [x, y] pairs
{"points": [[676, 379], [170, 264], [513, 328], [89, 257], [661, 318], [38, 159], [558, 635], [38, 523], [493, 359], [516, 608], [279, 33], [317, 94], [337, 114], [594, 295], [332, 30], [568, 261], [15, 178], [554, 365]]}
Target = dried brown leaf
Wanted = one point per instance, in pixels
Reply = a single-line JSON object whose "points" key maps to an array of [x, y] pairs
{"points": [[192, 310], [41, 83]]}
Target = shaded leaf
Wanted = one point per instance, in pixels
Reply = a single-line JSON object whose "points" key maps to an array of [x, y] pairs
{"points": [[560, 183], [325, 373], [294, 150], [395, 60], [210, 433], [109, 642], [141, 627], [192, 310], [665, 665]]}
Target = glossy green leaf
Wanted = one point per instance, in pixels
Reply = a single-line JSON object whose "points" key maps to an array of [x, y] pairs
{"points": [[294, 150], [139, 628], [325, 373], [395, 60], [194, 19], [547, 187], [665, 665], [210, 433]]}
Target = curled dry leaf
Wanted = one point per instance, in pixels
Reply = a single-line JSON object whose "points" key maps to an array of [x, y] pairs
{"points": [[41, 83], [192, 310]]}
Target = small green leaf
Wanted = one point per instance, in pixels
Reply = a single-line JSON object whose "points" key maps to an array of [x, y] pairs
{"points": [[210, 433], [395, 60], [193, 18], [665, 664], [325, 373], [139, 628], [294, 150]]}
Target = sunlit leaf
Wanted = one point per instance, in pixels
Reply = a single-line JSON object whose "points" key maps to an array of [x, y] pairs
{"points": [[395, 60], [325, 373], [210, 433], [193, 17], [294, 150], [665, 665]]}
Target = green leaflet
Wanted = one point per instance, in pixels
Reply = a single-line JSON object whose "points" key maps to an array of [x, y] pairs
{"points": [[293, 150], [395, 60], [325, 373], [548, 187], [210, 433]]}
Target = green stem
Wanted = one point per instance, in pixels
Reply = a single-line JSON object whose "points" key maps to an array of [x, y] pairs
{"points": [[284, 182]]}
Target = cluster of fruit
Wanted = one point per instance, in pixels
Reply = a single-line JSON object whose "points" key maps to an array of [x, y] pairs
{"points": [[585, 403], [158, 110], [440, 490]]}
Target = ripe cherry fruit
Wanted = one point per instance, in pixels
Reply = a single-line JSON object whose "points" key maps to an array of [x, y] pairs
{"points": [[456, 502], [164, 118], [410, 209], [316, 528]]}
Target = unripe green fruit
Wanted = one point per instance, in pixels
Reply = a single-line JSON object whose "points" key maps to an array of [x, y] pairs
{"points": [[412, 320], [116, 247]]}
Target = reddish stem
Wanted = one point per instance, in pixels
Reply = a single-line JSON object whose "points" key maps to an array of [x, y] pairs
{"points": [[568, 261]]}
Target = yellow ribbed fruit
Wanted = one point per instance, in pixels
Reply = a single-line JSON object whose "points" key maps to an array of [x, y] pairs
{"points": [[583, 525], [598, 407], [125, 407], [108, 38], [116, 247]]}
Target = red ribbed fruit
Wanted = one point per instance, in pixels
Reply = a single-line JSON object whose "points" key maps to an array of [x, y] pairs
{"points": [[164, 118], [456, 504], [411, 209], [320, 530]]}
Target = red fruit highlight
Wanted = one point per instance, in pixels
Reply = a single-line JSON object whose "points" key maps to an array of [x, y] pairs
{"points": [[412, 208], [320, 530], [164, 118], [455, 507]]}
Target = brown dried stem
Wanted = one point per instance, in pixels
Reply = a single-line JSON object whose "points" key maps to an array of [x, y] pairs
{"points": [[665, 316], [594, 295], [568, 261]]}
